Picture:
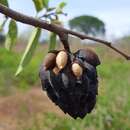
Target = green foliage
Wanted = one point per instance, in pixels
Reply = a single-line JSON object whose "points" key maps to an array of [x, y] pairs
{"points": [[60, 7], [6, 68], [88, 25], [3, 24], [29, 51], [11, 35], [52, 42], [2, 39], [40, 4], [8, 65], [51, 14], [50, 9], [4, 2]]}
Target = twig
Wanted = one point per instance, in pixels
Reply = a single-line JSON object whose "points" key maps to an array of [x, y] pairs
{"points": [[52, 27], [64, 39]]}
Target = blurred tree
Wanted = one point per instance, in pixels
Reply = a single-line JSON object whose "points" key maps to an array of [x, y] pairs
{"points": [[88, 25]]}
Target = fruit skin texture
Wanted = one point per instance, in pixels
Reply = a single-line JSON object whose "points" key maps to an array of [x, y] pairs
{"points": [[77, 97], [56, 70], [89, 56], [61, 59]]}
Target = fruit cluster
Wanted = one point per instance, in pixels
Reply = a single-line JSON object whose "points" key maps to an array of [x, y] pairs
{"points": [[70, 80]]}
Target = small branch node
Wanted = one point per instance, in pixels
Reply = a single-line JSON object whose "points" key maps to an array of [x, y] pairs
{"points": [[128, 58], [64, 39]]}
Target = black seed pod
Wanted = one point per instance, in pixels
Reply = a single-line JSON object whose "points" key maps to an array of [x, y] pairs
{"points": [[77, 97], [89, 56]]}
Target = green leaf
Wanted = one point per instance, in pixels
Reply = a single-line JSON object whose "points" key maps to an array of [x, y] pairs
{"points": [[11, 35], [60, 7], [40, 4], [50, 9], [52, 42], [29, 51], [4, 2], [2, 25], [45, 3]]}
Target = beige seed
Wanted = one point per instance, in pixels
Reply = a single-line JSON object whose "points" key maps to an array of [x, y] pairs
{"points": [[61, 59], [49, 61], [77, 69]]}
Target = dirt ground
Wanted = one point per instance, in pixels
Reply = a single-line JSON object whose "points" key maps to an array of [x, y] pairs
{"points": [[23, 105]]}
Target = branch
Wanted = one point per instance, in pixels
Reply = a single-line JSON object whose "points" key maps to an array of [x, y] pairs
{"points": [[64, 39], [53, 28]]}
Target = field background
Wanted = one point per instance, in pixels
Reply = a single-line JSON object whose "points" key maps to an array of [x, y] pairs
{"points": [[24, 106]]}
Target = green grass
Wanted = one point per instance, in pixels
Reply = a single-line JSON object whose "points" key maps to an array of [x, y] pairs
{"points": [[8, 64]]}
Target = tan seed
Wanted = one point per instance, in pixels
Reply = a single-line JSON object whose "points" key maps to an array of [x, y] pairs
{"points": [[61, 59], [49, 61], [77, 69]]}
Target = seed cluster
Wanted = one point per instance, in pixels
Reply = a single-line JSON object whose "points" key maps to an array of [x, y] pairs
{"points": [[70, 80]]}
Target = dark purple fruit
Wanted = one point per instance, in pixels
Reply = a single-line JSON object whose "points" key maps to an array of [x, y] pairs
{"points": [[75, 96], [89, 56]]}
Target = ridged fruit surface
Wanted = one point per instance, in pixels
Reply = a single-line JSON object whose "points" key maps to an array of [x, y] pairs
{"points": [[75, 96]]}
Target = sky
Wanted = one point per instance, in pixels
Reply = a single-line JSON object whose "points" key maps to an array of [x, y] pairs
{"points": [[114, 13]]}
